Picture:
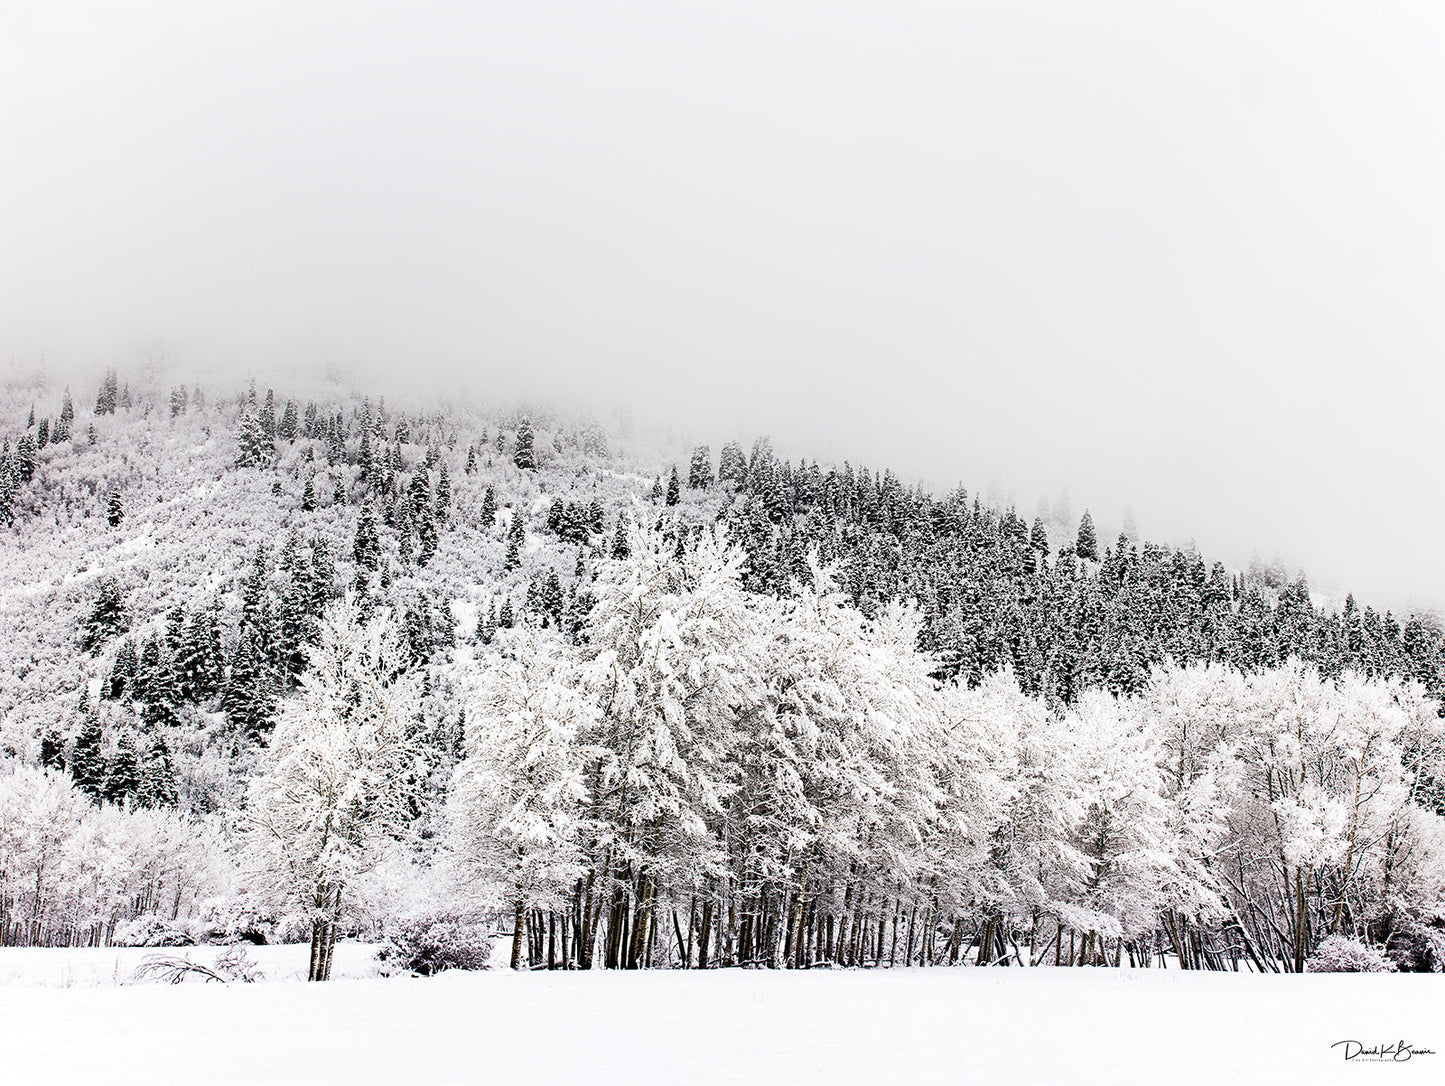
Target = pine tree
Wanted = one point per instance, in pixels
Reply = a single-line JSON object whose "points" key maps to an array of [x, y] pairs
{"points": [[516, 536], [115, 509], [366, 550], [444, 494], [248, 696], [25, 457], [1088, 545], [524, 455], [699, 473], [155, 772], [52, 751], [427, 536], [732, 465], [42, 435], [254, 448], [673, 487], [338, 496], [486, 624], [122, 672], [105, 399], [471, 460], [504, 617], [122, 775], [1039, 538], [308, 497], [489, 508], [87, 758], [107, 616]]}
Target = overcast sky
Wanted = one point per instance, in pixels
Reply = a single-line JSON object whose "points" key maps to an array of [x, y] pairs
{"points": [[1184, 257]]}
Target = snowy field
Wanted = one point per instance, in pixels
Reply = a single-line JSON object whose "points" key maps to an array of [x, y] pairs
{"points": [[901, 1026]]}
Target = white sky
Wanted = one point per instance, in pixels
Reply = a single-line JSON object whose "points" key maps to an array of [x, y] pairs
{"points": [[1186, 257]]}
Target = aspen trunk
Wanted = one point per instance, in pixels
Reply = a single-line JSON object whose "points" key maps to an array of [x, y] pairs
{"points": [[519, 932]]}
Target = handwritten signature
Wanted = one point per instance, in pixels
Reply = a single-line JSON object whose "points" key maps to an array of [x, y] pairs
{"points": [[1398, 1052]]}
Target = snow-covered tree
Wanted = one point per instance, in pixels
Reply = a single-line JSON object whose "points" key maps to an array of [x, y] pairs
{"points": [[517, 799], [344, 767]]}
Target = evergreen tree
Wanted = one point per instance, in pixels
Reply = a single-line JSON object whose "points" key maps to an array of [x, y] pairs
{"points": [[105, 399], [122, 672], [87, 758], [489, 508], [42, 435], [620, 548], [524, 456], [733, 465], [338, 496], [1039, 538], [699, 473], [155, 772], [52, 751], [107, 616], [444, 494], [471, 460], [504, 617], [122, 775], [516, 536], [248, 696], [253, 447], [427, 536], [308, 497], [115, 509], [366, 550], [25, 457], [1088, 545], [673, 487], [486, 625]]}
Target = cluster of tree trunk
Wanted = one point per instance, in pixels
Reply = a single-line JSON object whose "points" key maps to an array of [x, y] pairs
{"points": [[635, 926]]}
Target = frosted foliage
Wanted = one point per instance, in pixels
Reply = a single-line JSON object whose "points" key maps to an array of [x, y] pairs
{"points": [[517, 799], [71, 870], [336, 793]]}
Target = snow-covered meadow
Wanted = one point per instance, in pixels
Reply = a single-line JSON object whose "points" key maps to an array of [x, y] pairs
{"points": [[990, 1026]]}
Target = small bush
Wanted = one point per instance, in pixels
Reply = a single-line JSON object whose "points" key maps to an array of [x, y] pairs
{"points": [[233, 965], [426, 945], [228, 924], [1417, 945], [1339, 954], [151, 931]]}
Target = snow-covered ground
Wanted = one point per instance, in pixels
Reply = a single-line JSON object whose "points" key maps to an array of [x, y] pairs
{"points": [[90, 967], [901, 1026]]}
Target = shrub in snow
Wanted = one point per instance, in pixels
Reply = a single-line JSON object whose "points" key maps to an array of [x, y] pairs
{"points": [[1339, 954], [226, 926], [234, 965], [1417, 945], [151, 931], [426, 945]]}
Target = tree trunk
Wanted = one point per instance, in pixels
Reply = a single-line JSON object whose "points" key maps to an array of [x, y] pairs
{"points": [[519, 932]]}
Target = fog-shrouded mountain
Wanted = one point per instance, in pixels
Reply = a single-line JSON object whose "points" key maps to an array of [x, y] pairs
{"points": [[741, 709]]}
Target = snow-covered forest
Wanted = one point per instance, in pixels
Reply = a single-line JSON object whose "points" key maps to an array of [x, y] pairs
{"points": [[299, 663]]}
